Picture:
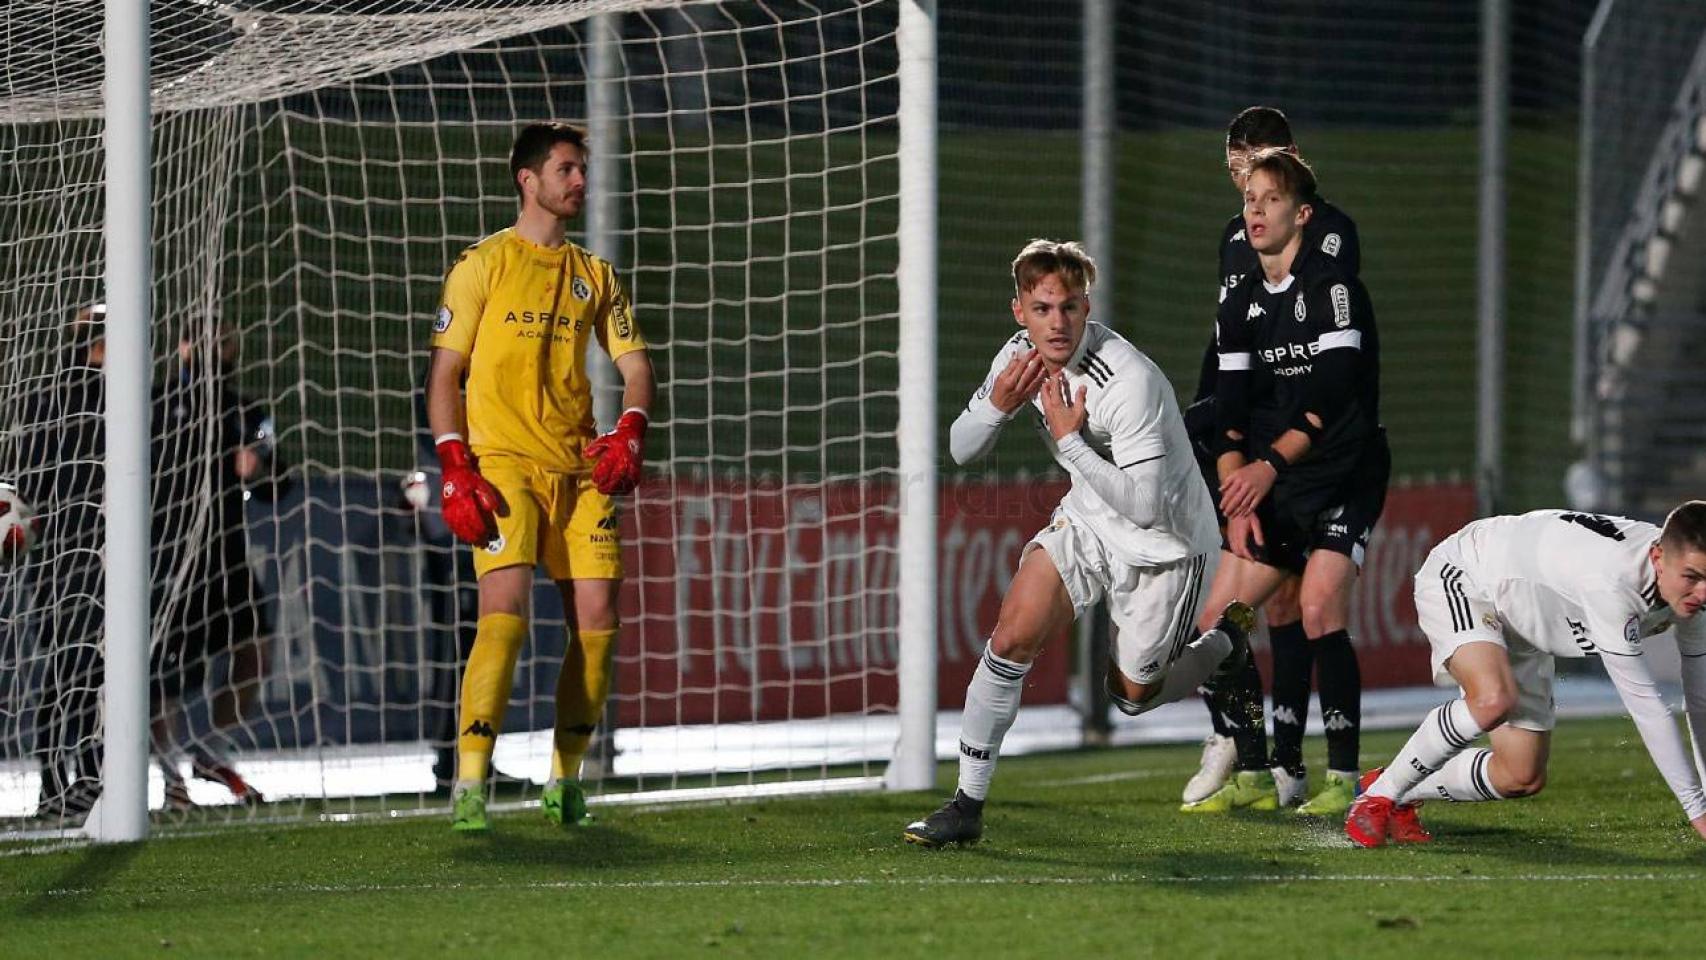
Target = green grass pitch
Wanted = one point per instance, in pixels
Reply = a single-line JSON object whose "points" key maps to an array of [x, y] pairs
{"points": [[1084, 855]]}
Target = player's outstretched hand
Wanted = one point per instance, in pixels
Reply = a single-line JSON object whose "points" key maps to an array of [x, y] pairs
{"points": [[1245, 487], [619, 455], [469, 501], [1244, 535], [1065, 416], [1017, 383]]}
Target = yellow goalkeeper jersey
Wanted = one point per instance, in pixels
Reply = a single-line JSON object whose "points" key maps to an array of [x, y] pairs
{"points": [[522, 313]]}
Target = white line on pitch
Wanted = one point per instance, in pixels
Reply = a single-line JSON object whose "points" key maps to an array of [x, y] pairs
{"points": [[1117, 879]]}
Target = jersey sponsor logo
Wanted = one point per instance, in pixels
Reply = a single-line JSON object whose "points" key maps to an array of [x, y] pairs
{"points": [[542, 316], [441, 322], [1290, 351], [1330, 244], [581, 291], [624, 322], [1341, 296], [1301, 311], [1254, 311]]}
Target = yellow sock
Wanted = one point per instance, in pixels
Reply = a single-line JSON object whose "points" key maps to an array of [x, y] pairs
{"points": [[485, 692], [581, 690]]}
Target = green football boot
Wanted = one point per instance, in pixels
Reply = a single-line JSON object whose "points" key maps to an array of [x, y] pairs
{"points": [[1247, 790], [1334, 799], [564, 803], [468, 811]]}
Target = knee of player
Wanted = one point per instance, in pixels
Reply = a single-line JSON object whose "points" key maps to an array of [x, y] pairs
{"points": [[1015, 645], [1283, 607], [1320, 618], [1489, 707], [1523, 783]]}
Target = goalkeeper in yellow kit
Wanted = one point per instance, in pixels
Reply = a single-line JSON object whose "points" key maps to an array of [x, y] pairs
{"points": [[525, 481]]}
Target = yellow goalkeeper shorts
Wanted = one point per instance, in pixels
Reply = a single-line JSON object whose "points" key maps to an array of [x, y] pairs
{"points": [[558, 520]]}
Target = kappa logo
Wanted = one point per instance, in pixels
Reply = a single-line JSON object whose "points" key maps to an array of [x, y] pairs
{"points": [[1330, 244], [480, 728], [581, 291], [1301, 311], [441, 322], [1341, 296], [1254, 311], [1238, 236]]}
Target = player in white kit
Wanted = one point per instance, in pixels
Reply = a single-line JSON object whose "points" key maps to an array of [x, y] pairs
{"points": [[1501, 599], [1137, 526]]}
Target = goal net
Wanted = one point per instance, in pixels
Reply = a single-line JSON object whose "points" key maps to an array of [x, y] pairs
{"points": [[318, 165]]}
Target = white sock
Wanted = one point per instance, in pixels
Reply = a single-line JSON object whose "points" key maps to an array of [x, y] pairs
{"points": [[1465, 778], [1448, 729], [992, 701], [1194, 665]]}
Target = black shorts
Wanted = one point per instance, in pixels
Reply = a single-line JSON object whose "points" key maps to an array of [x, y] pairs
{"points": [[1294, 526], [205, 624]]}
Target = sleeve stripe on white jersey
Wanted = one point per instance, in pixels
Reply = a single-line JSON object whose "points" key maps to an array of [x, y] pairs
{"points": [[1234, 361], [1339, 338], [1455, 599], [1096, 360]]}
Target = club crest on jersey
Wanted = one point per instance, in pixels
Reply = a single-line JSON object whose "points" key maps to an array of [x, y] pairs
{"points": [[1632, 631], [441, 322], [1341, 296], [1300, 311], [1254, 311], [1330, 244], [496, 545], [582, 292]]}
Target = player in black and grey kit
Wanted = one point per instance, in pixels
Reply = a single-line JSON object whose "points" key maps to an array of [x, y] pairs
{"points": [[1239, 743], [1303, 461]]}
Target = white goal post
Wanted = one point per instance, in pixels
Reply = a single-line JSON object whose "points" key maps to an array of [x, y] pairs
{"points": [[303, 173]]}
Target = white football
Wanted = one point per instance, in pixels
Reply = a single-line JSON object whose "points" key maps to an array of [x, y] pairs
{"points": [[17, 523]]}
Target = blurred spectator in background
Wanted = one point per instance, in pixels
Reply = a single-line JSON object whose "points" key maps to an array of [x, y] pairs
{"points": [[57, 457], [208, 444]]}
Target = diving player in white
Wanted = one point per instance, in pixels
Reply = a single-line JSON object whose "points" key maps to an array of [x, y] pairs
{"points": [[1503, 597], [1137, 525]]}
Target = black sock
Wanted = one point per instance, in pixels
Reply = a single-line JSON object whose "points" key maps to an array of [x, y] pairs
{"points": [[967, 804], [1214, 717], [1341, 698], [1293, 662], [1239, 707]]}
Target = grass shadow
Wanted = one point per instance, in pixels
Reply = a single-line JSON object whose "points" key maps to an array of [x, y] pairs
{"points": [[89, 871]]}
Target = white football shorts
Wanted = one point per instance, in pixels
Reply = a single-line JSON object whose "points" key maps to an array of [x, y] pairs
{"points": [[1154, 607], [1454, 610]]}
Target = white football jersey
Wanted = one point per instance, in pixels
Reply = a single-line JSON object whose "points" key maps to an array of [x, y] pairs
{"points": [[1571, 584], [1133, 416]]}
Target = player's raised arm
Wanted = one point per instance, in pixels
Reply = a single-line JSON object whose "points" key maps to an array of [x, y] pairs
{"points": [[1013, 380]]}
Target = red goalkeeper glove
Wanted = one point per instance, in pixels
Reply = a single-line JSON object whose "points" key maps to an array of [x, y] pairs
{"points": [[619, 455], [469, 501]]}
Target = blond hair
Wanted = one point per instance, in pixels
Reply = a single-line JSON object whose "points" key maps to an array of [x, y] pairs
{"points": [[1042, 257]]}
